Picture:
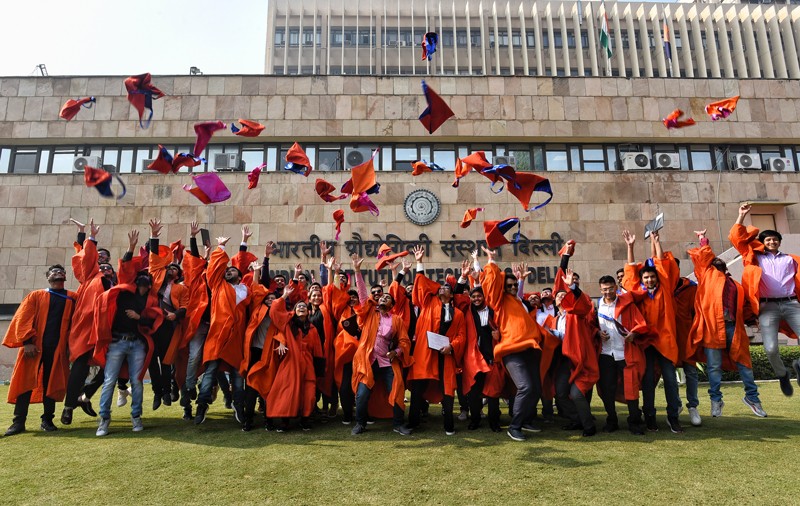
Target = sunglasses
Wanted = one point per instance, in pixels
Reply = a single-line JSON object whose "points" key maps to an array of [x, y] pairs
{"points": [[377, 292]]}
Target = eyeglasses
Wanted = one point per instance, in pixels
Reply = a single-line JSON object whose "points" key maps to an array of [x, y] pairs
{"points": [[104, 268], [377, 292], [57, 271]]}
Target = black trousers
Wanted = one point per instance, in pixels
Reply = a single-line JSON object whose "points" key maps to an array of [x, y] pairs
{"points": [[160, 373], [24, 399], [475, 399], [571, 399], [610, 370], [418, 388], [463, 402], [76, 384], [346, 396], [523, 368], [250, 393]]}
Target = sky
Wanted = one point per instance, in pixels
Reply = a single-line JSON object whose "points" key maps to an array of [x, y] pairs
{"points": [[112, 37]]}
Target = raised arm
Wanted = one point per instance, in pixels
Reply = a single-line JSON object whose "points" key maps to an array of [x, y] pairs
{"points": [[655, 242], [630, 241], [360, 287]]}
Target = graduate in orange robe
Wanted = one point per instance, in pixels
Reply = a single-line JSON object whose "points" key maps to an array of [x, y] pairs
{"points": [[623, 334], [651, 286], [93, 283], [39, 329], [722, 309], [433, 373], [294, 389], [383, 351], [518, 347], [224, 345], [688, 353]]}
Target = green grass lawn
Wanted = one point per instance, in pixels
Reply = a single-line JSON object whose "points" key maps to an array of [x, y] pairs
{"points": [[734, 459]]}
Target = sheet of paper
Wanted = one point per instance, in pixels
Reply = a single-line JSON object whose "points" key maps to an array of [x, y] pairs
{"points": [[437, 341]]}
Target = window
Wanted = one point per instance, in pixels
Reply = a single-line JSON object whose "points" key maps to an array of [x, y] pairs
{"points": [[444, 156], [570, 39], [5, 160], [516, 38], [461, 38], [294, 38], [310, 38], [557, 40], [280, 37], [252, 157], [475, 38], [593, 159], [404, 156], [447, 38], [701, 158], [63, 160], [329, 159], [556, 158], [531, 39], [25, 161]]}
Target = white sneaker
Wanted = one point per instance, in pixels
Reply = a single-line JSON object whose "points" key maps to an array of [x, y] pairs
{"points": [[716, 408], [137, 424], [122, 397], [694, 417], [755, 407], [102, 427], [462, 417]]}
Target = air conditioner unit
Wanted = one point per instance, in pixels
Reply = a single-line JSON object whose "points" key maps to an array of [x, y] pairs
{"points": [[353, 157], [746, 161], [392, 43], [505, 160], [402, 43], [79, 162], [777, 164], [668, 161], [635, 161], [226, 162]]}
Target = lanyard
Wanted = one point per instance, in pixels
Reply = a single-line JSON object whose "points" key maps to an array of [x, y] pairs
{"points": [[62, 295]]}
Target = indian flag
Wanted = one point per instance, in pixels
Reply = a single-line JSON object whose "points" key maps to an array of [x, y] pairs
{"points": [[605, 37]]}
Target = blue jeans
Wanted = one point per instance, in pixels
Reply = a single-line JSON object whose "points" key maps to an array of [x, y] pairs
{"points": [[769, 317], [362, 395], [690, 372], [714, 358], [135, 352], [195, 355], [237, 383], [649, 384], [523, 368]]}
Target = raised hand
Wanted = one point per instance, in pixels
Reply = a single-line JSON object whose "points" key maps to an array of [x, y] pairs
{"points": [[490, 253], [744, 209], [93, 229], [629, 238], [287, 291], [246, 233], [133, 240], [419, 252], [222, 241], [700, 233], [406, 263], [194, 229], [568, 277], [357, 260], [269, 248], [466, 268], [206, 252], [281, 349], [155, 228], [255, 266], [298, 269], [81, 226], [325, 250]]}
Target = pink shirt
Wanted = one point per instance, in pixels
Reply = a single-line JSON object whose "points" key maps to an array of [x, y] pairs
{"points": [[777, 275], [382, 342]]}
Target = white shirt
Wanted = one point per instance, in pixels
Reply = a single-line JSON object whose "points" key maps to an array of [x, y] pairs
{"points": [[241, 292], [483, 314], [615, 346]]}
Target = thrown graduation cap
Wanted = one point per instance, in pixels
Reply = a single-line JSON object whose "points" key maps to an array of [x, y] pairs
{"points": [[208, 188], [141, 94], [386, 256], [722, 108], [71, 107], [496, 232], [422, 166], [100, 180], [163, 162], [469, 215], [429, 42], [253, 175], [477, 161], [437, 111], [248, 129], [185, 160], [177, 249], [674, 121], [298, 161], [325, 190], [461, 170], [204, 132], [338, 217], [361, 185], [654, 226], [520, 184]]}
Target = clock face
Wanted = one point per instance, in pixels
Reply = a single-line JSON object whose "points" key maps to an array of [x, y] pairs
{"points": [[421, 207]]}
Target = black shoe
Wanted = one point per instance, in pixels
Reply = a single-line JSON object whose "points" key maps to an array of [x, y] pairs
{"points": [[48, 426], [495, 427], [786, 385], [184, 400], [16, 428], [572, 426], [187, 412], [636, 429], [305, 424], [531, 427], [473, 425], [610, 427], [87, 408], [166, 399], [516, 435], [402, 430], [228, 401], [674, 425], [650, 422], [193, 394], [590, 432], [200, 417], [269, 426], [66, 416], [176, 393], [357, 429], [156, 402], [247, 426]]}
